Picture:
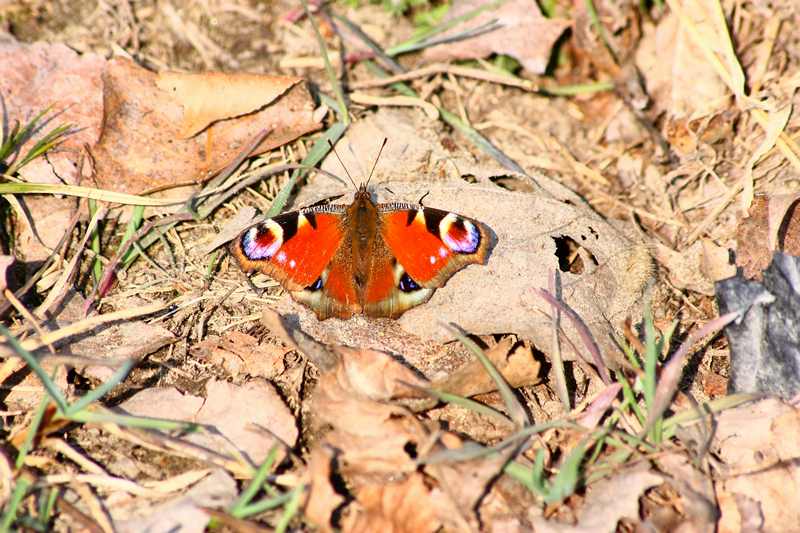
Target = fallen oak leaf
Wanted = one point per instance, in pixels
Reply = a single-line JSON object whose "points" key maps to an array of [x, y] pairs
{"points": [[211, 96], [138, 114]]}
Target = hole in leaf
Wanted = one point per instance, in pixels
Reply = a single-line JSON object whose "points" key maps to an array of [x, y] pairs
{"points": [[571, 255]]}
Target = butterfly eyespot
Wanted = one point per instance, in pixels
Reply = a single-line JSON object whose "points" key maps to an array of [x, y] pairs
{"points": [[407, 284], [317, 285]]}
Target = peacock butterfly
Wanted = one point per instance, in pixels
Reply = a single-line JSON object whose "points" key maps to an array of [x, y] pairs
{"points": [[375, 259]]}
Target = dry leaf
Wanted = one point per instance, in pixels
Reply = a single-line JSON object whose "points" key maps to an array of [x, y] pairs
{"points": [[374, 437], [607, 501], [405, 507], [676, 80], [230, 410], [185, 513], [141, 147], [524, 34], [685, 267], [211, 96], [322, 500], [513, 359], [771, 220], [240, 353], [759, 446], [33, 78]]}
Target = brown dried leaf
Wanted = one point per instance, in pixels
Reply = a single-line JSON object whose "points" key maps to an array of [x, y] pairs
{"points": [[759, 444], [513, 359], [770, 220], [373, 436], [607, 502], [524, 34], [405, 507], [230, 409], [240, 353], [211, 96], [676, 81], [322, 500], [34, 77], [141, 147]]}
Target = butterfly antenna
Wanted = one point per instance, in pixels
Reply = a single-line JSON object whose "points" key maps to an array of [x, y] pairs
{"points": [[342, 163], [371, 172]]}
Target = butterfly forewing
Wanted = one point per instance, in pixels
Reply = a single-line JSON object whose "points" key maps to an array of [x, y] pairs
{"points": [[432, 244], [294, 248]]}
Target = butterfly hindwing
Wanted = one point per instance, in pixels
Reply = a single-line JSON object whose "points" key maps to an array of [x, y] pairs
{"points": [[431, 244], [295, 248]]}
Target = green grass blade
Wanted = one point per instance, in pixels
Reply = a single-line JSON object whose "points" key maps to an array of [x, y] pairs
{"points": [[33, 428], [264, 505], [255, 484], [10, 514], [51, 388], [291, 508], [92, 417], [133, 224], [569, 475], [98, 392]]}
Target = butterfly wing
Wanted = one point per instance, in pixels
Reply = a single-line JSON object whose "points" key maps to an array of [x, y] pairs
{"points": [[299, 250], [294, 248], [424, 247]]}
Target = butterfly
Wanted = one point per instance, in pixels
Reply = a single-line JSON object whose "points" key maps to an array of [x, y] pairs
{"points": [[363, 258]]}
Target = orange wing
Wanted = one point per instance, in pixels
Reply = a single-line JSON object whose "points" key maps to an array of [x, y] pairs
{"points": [[294, 248], [431, 244]]}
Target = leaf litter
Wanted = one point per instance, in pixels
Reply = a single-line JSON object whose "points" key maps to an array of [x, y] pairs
{"points": [[642, 168]]}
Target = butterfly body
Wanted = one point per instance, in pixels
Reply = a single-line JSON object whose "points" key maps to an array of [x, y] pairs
{"points": [[375, 259]]}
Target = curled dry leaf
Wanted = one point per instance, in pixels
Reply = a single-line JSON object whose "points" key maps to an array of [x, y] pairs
{"points": [[606, 503], [211, 96], [229, 409], [678, 83], [374, 437], [141, 145], [323, 499], [524, 34], [697, 502], [512, 359], [405, 507]]}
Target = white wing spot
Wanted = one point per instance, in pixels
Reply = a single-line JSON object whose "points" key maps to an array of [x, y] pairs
{"points": [[442, 251], [292, 263], [281, 257], [433, 259]]}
